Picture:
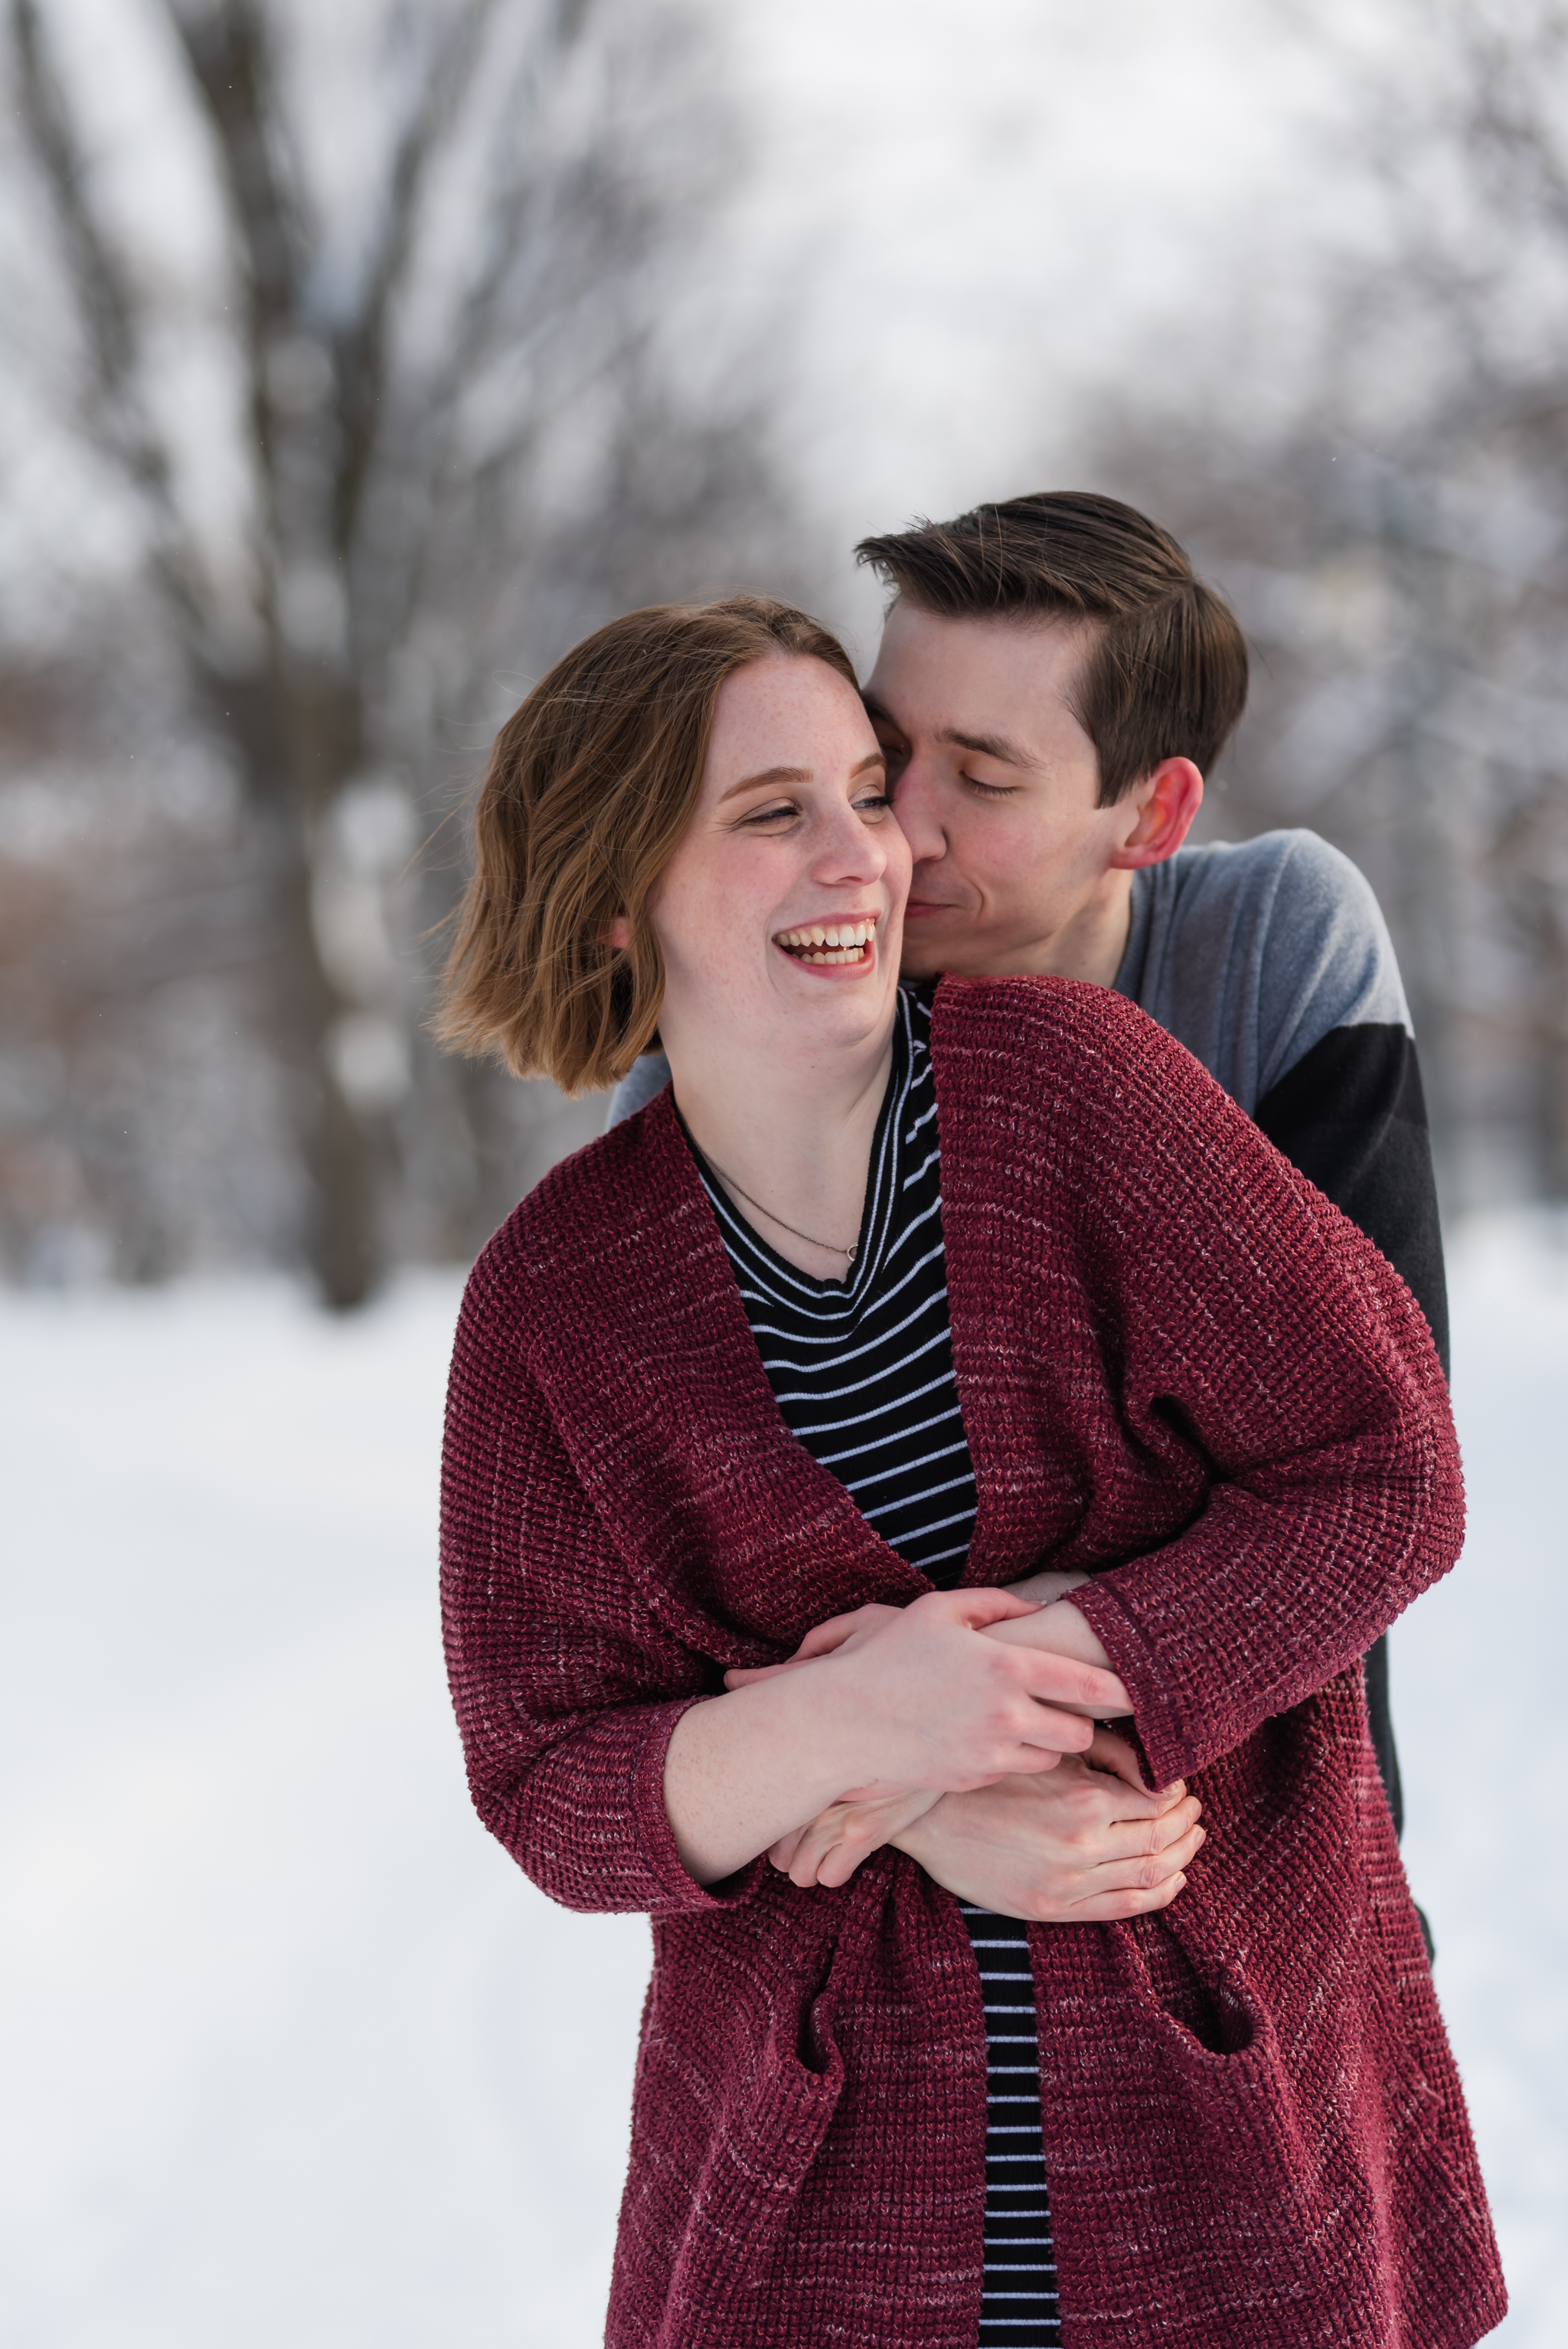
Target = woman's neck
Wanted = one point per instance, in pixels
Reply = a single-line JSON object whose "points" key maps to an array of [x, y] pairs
{"points": [[791, 1143]]}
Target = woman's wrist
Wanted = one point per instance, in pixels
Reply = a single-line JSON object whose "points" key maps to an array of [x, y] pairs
{"points": [[744, 1769]]}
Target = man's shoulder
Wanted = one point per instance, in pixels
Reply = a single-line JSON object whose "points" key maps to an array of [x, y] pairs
{"points": [[1286, 874], [1308, 915], [646, 1078], [1252, 952]]}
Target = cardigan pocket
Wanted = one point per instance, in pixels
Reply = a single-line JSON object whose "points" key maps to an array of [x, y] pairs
{"points": [[752, 2168], [740, 2077], [1215, 2041]]}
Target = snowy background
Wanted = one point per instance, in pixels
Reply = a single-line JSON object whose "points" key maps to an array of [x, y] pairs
{"points": [[294, 2054]]}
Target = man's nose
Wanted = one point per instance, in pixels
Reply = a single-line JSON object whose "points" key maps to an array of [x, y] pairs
{"points": [[914, 807]]}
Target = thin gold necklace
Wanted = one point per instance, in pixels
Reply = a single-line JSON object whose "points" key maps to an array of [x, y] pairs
{"points": [[826, 1246]]}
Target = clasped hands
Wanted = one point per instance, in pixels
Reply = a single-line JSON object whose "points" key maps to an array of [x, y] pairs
{"points": [[1068, 1834]]}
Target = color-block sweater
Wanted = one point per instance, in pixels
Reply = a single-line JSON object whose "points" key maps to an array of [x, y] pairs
{"points": [[1181, 1369]]}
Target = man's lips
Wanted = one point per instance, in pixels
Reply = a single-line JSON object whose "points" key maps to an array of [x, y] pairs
{"points": [[916, 906]]}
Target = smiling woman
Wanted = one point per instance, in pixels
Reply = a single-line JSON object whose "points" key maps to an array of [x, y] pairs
{"points": [[591, 786], [783, 1420], [777, 919]]}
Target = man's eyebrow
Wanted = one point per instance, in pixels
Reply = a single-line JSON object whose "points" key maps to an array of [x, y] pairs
{"points": [[988, 746], [768, 776]]}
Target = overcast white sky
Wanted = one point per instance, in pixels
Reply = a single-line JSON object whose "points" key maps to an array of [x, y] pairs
{"points": [[980, 213]]}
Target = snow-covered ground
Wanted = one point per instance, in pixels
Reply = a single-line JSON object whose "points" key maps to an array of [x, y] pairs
{"points": [[295, 2058]]}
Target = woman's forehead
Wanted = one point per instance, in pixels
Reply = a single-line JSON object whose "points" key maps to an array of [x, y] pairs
{"points": [[787, 712]]}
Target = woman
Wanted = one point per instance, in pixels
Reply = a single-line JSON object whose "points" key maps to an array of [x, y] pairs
{"points": [[1074, 1314]]}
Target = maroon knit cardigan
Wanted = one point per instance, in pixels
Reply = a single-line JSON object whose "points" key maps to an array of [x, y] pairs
{"points": [[1180, 1369]]}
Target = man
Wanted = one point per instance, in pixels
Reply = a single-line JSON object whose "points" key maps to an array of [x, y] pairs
{"points": [[1052, 686]]}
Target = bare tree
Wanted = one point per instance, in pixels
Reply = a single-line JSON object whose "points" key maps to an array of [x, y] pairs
{"points": [[1398, 548], [440, 392]]}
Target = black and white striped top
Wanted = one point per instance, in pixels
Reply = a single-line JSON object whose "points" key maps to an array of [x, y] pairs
{"points": [[863, 1370]]}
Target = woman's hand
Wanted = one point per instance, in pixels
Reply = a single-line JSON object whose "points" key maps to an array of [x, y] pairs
{"points": [[910, 1696], [931, 1702], [1059, 1629], [823, 1641], [1037, 1621]]}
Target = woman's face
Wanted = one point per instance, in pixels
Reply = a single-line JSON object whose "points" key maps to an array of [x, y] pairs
{"points": [[779, 916]]}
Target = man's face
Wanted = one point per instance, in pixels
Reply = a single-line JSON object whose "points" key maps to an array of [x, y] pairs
{"points": [[995, 786]]}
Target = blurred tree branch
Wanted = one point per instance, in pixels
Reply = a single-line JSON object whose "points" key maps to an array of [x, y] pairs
{"points": [[416, 385], [1399, 545]]}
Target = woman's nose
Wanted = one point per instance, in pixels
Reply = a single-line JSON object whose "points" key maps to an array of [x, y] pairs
{"points": [[856, 850]]}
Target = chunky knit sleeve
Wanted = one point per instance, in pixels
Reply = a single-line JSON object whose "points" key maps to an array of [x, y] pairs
{"points": [[1272, 1335], [566, 1689], [1241, 1334]]}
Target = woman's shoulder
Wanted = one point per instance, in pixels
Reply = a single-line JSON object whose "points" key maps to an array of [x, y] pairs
{"points": [[1040, 1027], [1061, 1065], [592, 1215]]}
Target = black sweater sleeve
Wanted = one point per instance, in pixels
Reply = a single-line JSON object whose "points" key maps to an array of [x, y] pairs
{"points": [[1352, 1115]]}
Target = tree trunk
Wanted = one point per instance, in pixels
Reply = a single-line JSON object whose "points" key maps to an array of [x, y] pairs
{"points": [[295, 750], [1551, 1049]]}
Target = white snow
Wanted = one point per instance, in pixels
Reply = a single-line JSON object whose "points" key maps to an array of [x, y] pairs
{"points": [[292, 2053]]}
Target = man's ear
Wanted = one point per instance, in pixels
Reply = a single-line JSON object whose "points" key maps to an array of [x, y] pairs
{"points": [[1163, 808], [618, 933]]}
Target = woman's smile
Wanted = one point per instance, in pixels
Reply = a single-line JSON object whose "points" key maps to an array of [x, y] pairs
{"points": [[838, 942]]}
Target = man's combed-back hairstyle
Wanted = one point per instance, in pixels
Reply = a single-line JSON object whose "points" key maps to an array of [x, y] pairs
{"points": [[1164, 672], [591, 785]]}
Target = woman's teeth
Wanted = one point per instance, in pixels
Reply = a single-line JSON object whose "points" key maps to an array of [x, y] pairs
{"points": [[829, 941]]}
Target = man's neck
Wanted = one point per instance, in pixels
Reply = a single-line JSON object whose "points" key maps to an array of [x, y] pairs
{"points": [[1089, 944]]}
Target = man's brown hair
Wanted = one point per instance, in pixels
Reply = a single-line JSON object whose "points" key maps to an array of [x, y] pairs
{"points": [[591, 786], [1164, 674]]}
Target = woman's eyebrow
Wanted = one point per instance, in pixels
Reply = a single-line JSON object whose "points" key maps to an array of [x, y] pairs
{"points": [[771, 775], [768, 775]]}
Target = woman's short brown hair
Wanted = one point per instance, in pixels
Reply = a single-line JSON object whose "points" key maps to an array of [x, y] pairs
{"points": [[591, 786]]}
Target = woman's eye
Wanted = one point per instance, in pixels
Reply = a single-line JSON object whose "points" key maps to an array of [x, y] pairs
{"points": [[769, 816], [872, 803]]}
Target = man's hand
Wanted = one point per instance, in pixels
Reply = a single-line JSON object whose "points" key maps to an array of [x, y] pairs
{"points": [[1086, 1842], [1075, 1847], [829, 1847]]}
